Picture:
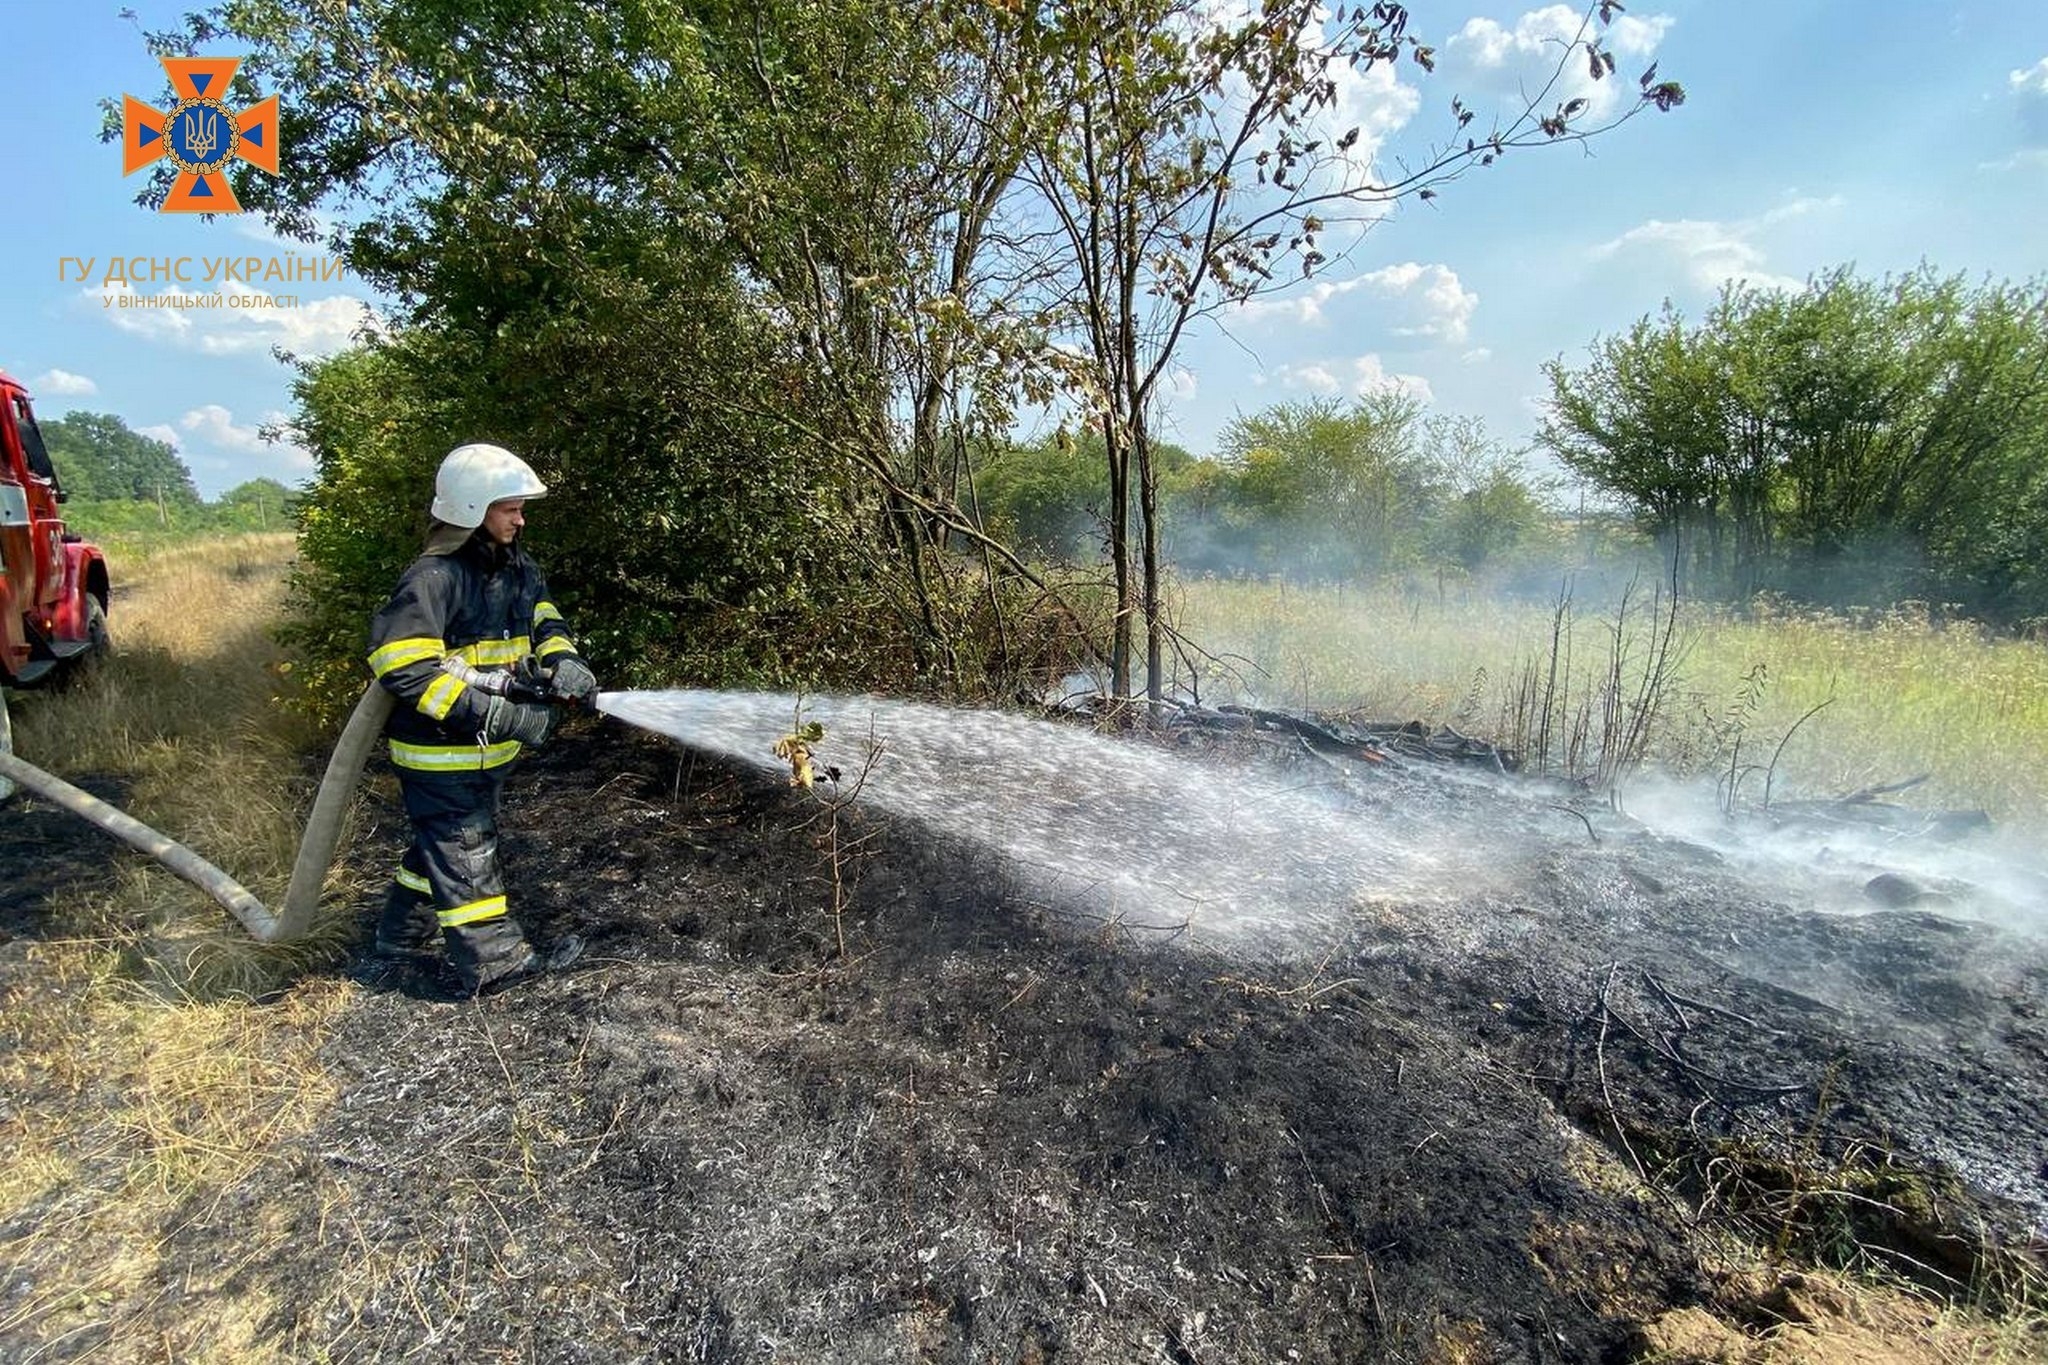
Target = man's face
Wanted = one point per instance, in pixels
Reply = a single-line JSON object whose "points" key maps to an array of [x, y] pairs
{"points": [[503, 519]]}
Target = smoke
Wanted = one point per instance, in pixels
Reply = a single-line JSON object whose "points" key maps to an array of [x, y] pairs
{"points": [[1857, 858]]}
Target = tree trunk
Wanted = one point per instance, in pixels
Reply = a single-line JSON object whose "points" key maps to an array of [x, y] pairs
{"points": [[1119, 454]]}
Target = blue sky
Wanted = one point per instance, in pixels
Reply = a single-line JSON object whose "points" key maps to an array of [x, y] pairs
{"points": [[1817, 133]]}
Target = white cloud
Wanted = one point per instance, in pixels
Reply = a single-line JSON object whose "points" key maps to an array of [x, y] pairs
{"points": [[1443, 306], [1478, 355], [63, 382], [1316, 378], [1516, 64], [1428, 301], [1303, 306], [1367, 105], [1180, 382], [1375, 102], [1365, 374], [1369, 375], [312, 327], [164, 432], [2029, 87], [210, 435], [1708, 254], [215, 425]]}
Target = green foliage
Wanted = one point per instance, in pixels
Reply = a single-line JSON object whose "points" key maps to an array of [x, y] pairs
{"points": [[122, 485], [1856, 442], [1050, 498], [747, 282], [1332, 491], [1492, 513], [1319, 490], [257, 506], [1314, 490], [99, 459], [698, 314]]}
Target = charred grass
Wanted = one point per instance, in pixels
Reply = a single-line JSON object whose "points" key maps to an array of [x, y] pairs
{"points": [[772, 1117]]}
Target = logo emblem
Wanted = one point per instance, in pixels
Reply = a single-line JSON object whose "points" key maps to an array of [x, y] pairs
{"points": [[200, 135]]}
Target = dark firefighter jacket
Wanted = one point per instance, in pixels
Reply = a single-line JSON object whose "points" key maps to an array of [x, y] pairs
{"points": [[487, 604]]}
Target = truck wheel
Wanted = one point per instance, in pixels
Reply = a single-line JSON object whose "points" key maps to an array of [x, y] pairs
{"points": [[96, 630], [100, 643], [6, 743]]}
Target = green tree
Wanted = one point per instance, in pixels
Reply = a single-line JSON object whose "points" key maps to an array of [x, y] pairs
{"points": [[696, 260], [257, 505], [99, 458], [1052, 496], [1644, 421], [1177, 161], [1329, 490], [1491, 506], [1855, 440]]}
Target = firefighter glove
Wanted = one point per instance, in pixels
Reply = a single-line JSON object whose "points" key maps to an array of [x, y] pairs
{"points": [[573, 679], [527, 722], [533, 676]]}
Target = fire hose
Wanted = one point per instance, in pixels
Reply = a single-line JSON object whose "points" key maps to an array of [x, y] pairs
{"points": [[316, 846]]}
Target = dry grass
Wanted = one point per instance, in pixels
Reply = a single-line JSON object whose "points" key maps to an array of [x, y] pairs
{"points": [[130, 1114], [142, 1084], [1827, 1318], [1910, 694], [186, 719]]}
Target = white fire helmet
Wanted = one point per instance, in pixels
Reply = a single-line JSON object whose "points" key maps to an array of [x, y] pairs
{"points": [[475, 476]]}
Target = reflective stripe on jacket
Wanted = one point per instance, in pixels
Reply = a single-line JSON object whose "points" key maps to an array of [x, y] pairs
{"points": [[489, 606]]}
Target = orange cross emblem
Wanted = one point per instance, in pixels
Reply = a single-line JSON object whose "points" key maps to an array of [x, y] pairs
{"points": [[200, 135]]}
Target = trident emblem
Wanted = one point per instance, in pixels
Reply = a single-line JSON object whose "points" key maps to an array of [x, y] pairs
{"points": [[202, 133], [200, 136]]}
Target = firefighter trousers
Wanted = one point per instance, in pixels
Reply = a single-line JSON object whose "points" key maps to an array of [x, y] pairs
{"points": [[451, 882]]}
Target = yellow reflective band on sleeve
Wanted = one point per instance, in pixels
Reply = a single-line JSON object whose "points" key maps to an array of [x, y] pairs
{"points": [[399, 653], [560, 644], [413, 881], [452, 758], [490, 907], [495, 653], [439, 698], [544, 611]]}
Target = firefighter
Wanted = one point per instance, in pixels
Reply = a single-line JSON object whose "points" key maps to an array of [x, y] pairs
{"points": [[470, 618]]}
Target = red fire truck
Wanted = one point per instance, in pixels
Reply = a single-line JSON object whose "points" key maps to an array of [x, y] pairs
{"points": [[53, 585]]}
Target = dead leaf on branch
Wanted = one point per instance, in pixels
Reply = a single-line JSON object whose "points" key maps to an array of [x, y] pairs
{"points": [[794, 748]]}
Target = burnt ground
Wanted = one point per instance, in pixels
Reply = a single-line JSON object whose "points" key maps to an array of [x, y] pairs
{"points": [[1003, 1130]]}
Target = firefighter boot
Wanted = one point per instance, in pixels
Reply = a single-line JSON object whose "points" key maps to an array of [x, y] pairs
{"points": [[561, 953], [494, 954], [407, 930]]}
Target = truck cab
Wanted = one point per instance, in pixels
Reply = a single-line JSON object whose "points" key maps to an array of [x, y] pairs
{"points": [[53, 585]]}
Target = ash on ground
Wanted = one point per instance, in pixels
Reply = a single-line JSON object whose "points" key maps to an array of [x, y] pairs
{"points": [[1513, 1126]]}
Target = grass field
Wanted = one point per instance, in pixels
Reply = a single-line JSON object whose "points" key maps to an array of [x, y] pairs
{"points": [[186, 716], [138, 1071], [1899, 694]]}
